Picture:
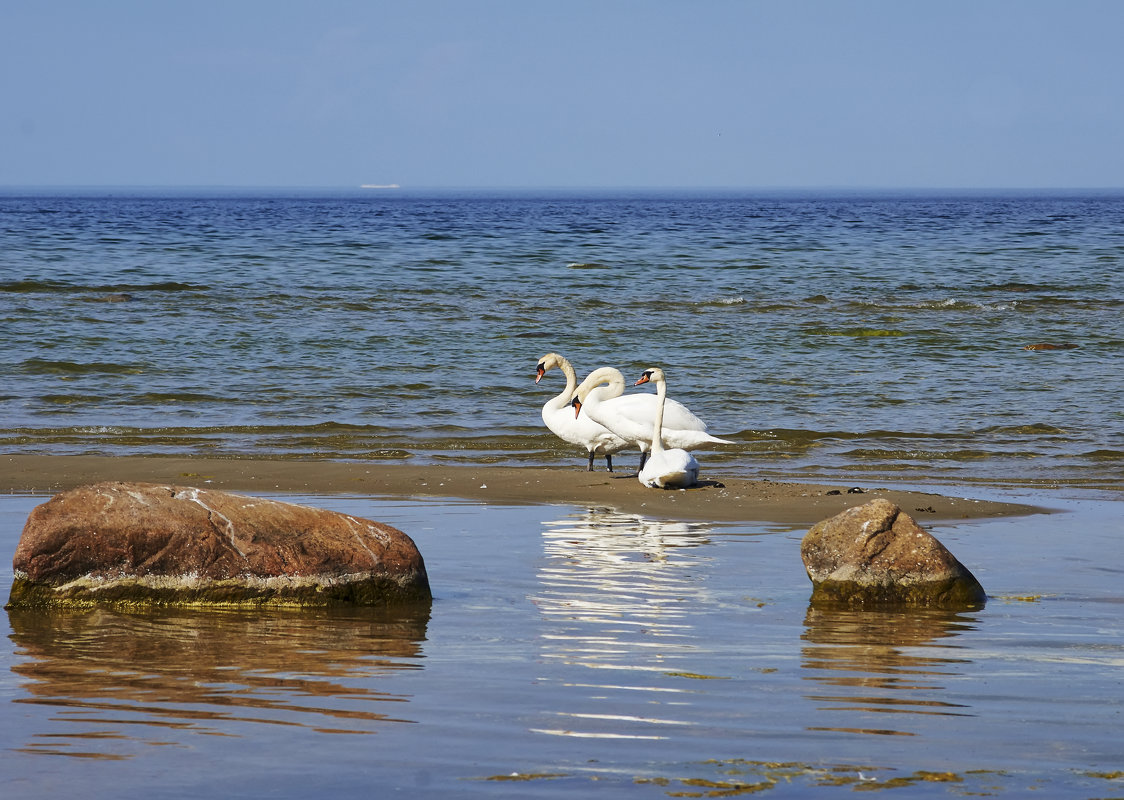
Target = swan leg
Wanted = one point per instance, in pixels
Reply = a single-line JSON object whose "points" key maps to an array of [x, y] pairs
{"points": [[643, 458], [590, 467], [609, 461]]}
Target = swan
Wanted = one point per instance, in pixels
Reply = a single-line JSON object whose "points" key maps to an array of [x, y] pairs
{"points": [[672, 468], [576, 429], [630, 416]]}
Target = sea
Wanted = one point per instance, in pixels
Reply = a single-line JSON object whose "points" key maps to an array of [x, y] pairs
{"points": [[858, 339], [872, 337]]}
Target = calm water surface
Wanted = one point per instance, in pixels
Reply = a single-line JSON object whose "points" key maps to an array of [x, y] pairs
{"points": [[573, 650]]}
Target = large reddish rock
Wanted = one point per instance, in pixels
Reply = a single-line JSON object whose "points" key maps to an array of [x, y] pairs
{"points": [[877, 555], [138, 543]]}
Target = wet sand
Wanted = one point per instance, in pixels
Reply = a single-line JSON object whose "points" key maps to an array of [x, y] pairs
{"points": [[717, 498]]}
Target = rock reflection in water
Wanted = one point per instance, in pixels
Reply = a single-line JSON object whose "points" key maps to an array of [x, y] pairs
{"points": [[868, 663], [143, 676], [616, 591]]}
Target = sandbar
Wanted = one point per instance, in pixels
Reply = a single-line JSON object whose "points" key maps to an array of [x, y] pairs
{"points": [[715, 499]]}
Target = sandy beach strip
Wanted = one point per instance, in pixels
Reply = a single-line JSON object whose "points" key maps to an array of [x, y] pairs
{"points": [[716, 499]]}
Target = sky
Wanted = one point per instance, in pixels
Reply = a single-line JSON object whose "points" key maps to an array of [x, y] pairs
{"points": [[573, 93]]}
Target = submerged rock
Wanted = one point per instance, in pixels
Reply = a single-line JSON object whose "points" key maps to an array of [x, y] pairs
{"points": [[142, 544], [876, 555]]}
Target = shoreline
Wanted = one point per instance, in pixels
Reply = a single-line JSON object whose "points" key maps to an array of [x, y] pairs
{"points": [[717, 499]]}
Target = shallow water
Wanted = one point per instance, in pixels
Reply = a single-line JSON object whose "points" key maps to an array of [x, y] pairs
{"points": [[571, 650], [836, 337]]}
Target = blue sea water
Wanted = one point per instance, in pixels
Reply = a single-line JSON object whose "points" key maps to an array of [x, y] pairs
{"points": [[867, 338], [843, 337]]}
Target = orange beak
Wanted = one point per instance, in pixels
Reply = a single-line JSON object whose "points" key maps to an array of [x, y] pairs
{"points": [[577, 404], [539, 373]]}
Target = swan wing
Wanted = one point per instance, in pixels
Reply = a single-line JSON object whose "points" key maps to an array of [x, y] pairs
{"points": [[642, 408], [690, 439], [582, 431]]}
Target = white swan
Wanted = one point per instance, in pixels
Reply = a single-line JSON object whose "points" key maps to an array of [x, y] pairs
{"points": [[630, 416], [673, 468], [576, 429]]}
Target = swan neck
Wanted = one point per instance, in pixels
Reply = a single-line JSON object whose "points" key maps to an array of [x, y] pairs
{"points": [[657, 420], [571, 379], [591, 390]]}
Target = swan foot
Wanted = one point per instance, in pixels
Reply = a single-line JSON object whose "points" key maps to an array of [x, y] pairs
{"points": [[609, 461]]}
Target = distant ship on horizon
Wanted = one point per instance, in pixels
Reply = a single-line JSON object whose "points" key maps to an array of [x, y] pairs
{"points": [[379, 186]]}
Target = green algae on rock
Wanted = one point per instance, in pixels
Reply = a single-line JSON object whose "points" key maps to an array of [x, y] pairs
{"points": [[136, 544]]}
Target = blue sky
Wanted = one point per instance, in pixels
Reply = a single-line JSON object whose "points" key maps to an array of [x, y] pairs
{"points": [[422, 93]]}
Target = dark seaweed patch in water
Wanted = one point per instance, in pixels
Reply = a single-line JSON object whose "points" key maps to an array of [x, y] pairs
{"points": [[1104, 455], [1031, 429], [40, 366], [68, 399], [62, 287], [1011, 287]]}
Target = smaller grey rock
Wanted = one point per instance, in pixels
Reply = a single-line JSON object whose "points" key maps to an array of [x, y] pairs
{"points": [[877, 555]]}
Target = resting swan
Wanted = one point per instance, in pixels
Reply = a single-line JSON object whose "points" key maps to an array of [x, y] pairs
{"points": [[630, 416], [580, 429], [666, 468]]}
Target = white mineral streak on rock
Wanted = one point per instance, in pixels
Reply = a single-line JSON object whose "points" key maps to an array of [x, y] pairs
{"points": [[193, 496], [109, 498], [140, 498], [374, 530], [356, 528]]}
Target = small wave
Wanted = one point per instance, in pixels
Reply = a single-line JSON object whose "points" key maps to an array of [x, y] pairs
{"points": [[587, 265], [804, 437], [935, 455], [951, 304], [722, 301], [948, 304], [182, 397], [855, 333]]}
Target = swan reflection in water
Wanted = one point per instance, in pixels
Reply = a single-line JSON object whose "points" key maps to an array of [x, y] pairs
{"points": [[206, 672], [873, 662], [616, 593]]}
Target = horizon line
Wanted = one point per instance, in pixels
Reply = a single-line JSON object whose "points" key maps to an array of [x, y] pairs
{"points": [[400, 188]]}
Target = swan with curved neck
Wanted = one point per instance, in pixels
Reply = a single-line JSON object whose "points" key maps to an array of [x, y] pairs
{"points": [[630, 416], [575, 429], [666, 468]]}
